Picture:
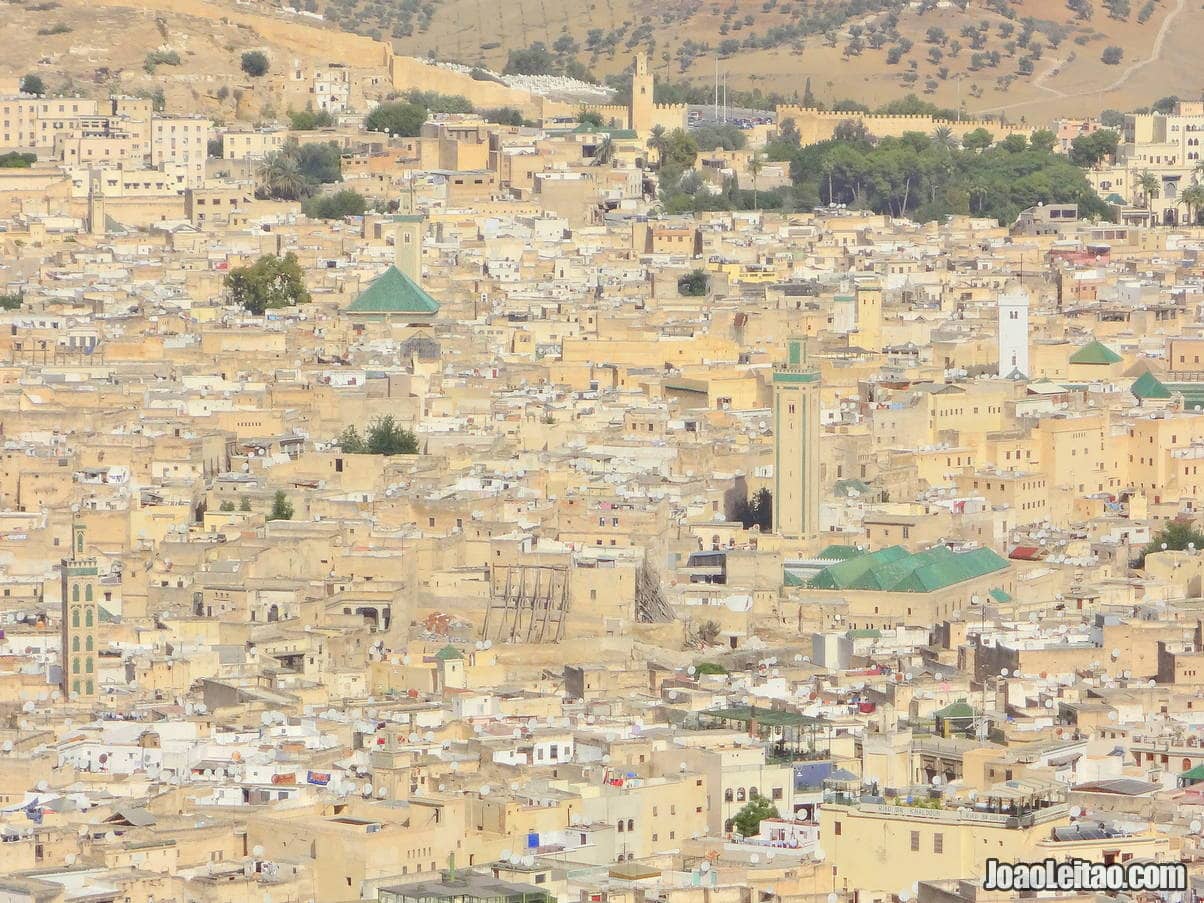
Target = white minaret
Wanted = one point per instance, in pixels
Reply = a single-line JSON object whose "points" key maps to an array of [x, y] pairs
{"points": [[1013, 331]]}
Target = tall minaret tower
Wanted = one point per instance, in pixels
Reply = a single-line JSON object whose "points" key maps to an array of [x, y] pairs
{"points": [[1013, 331], [796, 432], [642, 86], [407, 250], [80, 619]]}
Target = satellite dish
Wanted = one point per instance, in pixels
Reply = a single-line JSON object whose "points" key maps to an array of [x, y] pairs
{"points": [[485, 790], [754, 858], [8, 746], [70, 859], [257, 851]]}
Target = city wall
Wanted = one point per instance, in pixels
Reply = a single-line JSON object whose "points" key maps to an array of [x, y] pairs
{"points": [[815, 126]]}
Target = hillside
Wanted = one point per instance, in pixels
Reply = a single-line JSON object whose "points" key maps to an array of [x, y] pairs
{"points": [[1031, 59]]}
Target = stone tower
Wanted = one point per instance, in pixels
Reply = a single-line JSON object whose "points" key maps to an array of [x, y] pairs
{"points": [[869, 316], [81, 616], [796, 431], [1013, 331], [642, 96], [407, 250]]}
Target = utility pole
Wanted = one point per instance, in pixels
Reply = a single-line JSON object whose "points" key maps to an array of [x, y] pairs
{"points": [[715, 111]]}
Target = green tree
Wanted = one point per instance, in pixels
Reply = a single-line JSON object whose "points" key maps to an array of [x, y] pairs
{"points": [[1112, 55], [943, 136], [33, 84], [1193, 199], [270, 282], [681, 150], [351, 442], [1149, 185], [245, 504], [1176, 536], [1043, 140], [308, 120], [1093, 149], [435, 102], [533, 60], [387, 437], [504, 116], [17, 160], [724, 136], [604, 153], [279, 177], [591, 118], [657, 141], [694, 284], [12, 301], [755, 166], [282, 508], [979, 139], [255, 63], [320, 163], [335, 206], [762, 509], [397, 118], [748, 820], [708, 632], [226, 506]]}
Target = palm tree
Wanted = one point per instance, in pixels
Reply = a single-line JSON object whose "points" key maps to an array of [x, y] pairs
{"points": [[1148, 184], [658, 142], [280, 177], [755, 165], [943, 136], [604, 153], [1193, 199]]}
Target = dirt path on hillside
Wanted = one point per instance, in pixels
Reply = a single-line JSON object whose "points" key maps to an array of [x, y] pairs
{"points": [[1118, 82]]}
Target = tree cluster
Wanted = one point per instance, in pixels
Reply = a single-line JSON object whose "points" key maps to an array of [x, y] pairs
{"points": [[308, 120], [270, 282], [17, 160], [927, 177], [694, 284], [385, 437], [1176, 536], [397, 117], [757, 511], [297, 171], [335, 206]]}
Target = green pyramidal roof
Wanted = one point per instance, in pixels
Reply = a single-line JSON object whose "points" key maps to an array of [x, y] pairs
{"points": [[1095, 352], [1149, 386], [896, 570], [959, 709], [448, 653], [393, 292]]}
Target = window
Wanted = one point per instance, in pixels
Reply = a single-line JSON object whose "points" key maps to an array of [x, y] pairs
{"points": [[938, 843], [915, 841]]}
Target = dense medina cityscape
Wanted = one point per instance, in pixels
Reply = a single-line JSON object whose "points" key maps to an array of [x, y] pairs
{"points": [[536, 500]]}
